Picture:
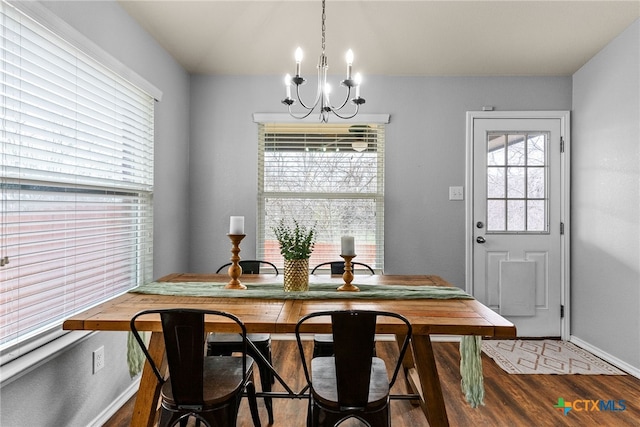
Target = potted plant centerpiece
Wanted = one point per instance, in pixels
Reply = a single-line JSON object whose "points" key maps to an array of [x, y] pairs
{"points": [[296, 245]]}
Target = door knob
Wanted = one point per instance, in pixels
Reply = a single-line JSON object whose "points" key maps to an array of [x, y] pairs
{"points": [[480, 239]]}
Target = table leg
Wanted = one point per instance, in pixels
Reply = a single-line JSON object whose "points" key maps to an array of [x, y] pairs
{"points": [[429, 381], [408, 365], [146, 406]]}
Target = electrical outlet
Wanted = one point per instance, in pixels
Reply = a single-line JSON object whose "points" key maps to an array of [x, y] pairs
{"points": [[98, 359], [456, 193]]}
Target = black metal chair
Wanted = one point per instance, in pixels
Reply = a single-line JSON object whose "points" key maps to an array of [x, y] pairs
{"points": [[206, 388], [337, 267], [251, 266], [323, 343], [221, 344], [353, 383]]}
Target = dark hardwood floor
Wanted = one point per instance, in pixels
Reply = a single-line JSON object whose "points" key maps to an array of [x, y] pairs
{"points": [[510, 400]]}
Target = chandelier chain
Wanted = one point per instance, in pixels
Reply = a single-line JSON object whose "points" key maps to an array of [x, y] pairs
{"points": [[323, 25]]}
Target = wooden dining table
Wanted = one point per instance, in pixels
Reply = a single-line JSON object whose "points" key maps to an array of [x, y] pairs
{"points": [[427, 316]]}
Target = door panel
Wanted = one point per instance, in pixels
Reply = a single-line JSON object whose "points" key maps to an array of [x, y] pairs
{"points": [[516, 216]]}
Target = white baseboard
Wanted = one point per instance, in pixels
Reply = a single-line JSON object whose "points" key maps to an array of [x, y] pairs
{"points": [[445, 338], [631, 370], [111, 410]]}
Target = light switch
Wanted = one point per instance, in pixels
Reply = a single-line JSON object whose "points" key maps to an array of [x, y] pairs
{"points": [[456, 193]]}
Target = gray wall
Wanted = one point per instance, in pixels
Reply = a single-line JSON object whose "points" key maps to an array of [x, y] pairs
{"points": [[425, 154], [605, 274], [62, 391], [195, 194]]}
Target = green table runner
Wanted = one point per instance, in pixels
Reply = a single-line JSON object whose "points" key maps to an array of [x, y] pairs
{"points": [[470, 357], [316, 291]]}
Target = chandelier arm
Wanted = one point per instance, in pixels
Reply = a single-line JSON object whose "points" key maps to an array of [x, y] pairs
{"points": [[319, 92], [311, 108], [347, 117], [346, 99], [302, 116]]}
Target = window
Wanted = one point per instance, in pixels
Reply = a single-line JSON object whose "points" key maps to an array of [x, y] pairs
{"points": [[76, 181], [517, 171], [327, 175]]}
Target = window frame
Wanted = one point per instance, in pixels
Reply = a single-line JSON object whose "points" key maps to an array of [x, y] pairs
{"points": [[377, 197], [527, 167], [37, 343]]}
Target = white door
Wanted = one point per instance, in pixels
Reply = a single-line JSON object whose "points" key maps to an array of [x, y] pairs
{"points": [[517, 219]]}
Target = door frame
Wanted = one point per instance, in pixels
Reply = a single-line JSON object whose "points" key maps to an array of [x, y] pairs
{"points": [[565, 202]]}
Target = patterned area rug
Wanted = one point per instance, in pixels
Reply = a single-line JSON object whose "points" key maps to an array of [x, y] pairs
{"points": [[545, 357]]}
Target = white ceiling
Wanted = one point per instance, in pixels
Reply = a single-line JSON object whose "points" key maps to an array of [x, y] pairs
{"points": [[417, 37]]}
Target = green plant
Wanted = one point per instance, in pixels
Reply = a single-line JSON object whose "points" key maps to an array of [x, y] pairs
{"points": [[296, 242]]}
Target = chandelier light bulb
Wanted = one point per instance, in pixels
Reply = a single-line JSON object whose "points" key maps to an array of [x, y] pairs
{"points": [[358, 80], [298, 60], [349, 63], [287, 83], [349, 57]]}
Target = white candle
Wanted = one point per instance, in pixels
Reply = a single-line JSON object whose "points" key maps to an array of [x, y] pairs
{"points": [[236, 225], [287, 84], [348, 246], [298, 56], [349, 63]]}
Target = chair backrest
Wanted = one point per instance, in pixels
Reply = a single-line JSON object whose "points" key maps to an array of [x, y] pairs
{"points": [[353, 339], [337, 267], [184, 339], [251, 266]]}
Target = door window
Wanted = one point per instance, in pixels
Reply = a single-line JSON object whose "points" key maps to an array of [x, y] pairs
{"points": [[517, 193]]}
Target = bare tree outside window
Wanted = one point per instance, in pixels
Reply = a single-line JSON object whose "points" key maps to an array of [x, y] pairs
{"points": [[331, 178]]}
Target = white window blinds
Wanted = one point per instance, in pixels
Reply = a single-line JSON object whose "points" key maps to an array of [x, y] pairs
{"points": [[76, 180], [327, 175]]}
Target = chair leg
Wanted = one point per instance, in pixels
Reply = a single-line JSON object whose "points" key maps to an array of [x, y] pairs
{"points": [[225, 416], [311, 421], [381, 418], [266, 377], [253, 404], [169, 418], [265, 382]]}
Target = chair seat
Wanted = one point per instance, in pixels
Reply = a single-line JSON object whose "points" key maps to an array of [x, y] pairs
{"points": [[224, 344], [221, 338], [325, 388], [222, 380]]}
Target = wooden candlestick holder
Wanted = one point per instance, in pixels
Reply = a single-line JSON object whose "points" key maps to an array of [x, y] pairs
{"points": [[235, 271], [347, 276]]}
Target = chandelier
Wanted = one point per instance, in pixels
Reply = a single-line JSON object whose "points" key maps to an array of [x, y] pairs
{"points": [[322, 93]]}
